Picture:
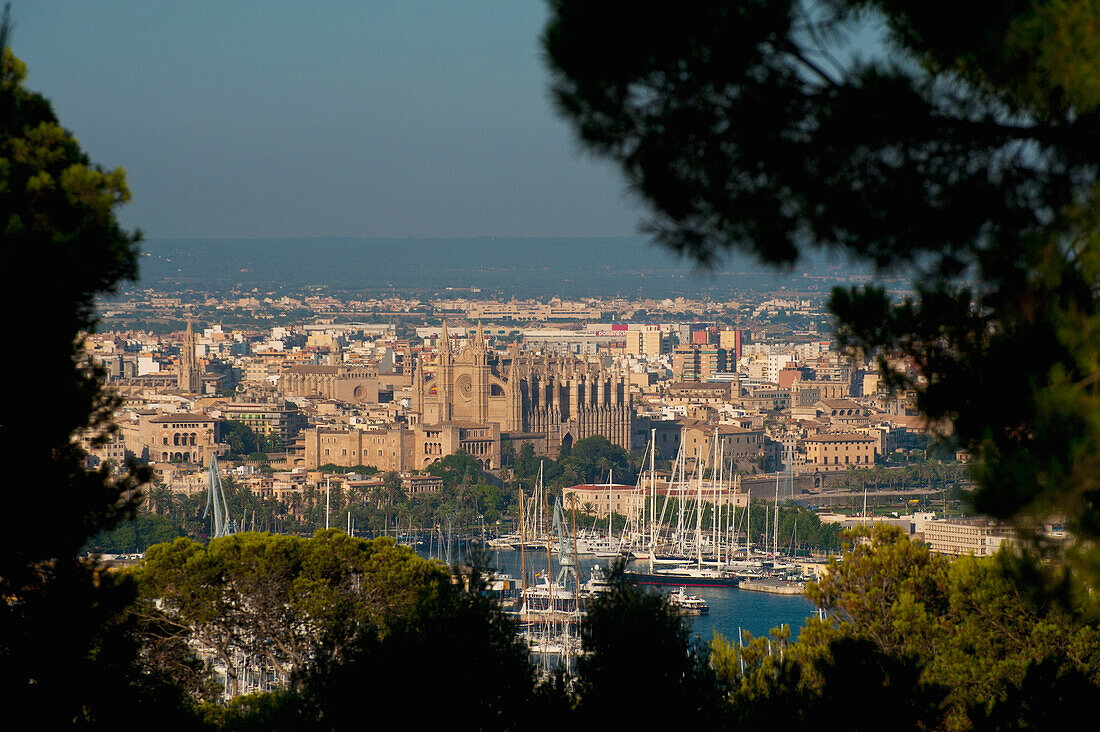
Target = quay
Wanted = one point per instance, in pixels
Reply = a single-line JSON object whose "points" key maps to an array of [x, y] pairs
{"points": [[774, 586]]}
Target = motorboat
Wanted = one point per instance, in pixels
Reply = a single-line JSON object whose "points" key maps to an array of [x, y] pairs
{"points": [[686, 604]]}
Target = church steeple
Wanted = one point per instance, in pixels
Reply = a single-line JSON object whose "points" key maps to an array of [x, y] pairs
{"points": [[444, 341], [513, 367], [189, 378], [418, 384]]}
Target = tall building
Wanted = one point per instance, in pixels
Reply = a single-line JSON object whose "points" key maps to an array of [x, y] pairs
{"points": [[646, 341], [731, 341], [190, 376], [549, 401], [698, 362]]}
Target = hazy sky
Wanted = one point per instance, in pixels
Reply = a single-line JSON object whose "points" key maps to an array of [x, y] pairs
{"points": [[410, 118]]}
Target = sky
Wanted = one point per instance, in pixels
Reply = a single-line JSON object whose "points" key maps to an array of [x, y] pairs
{"points": [[415, 118]]}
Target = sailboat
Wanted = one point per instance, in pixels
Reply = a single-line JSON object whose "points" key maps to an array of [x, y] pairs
{"points": [[684, 574]]}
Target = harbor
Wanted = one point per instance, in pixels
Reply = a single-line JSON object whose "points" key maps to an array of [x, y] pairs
{"points": [[731, 609]]}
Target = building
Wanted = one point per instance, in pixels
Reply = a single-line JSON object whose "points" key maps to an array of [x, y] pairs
{"points": [[189, 376], [712, 393], [624, 500], [731, 341], [355, 384], [646, 341], [552, 401], [698, 362], [733, 443], [979, 537], [418, 484], [281, 420], [187, 438], [627, 500], [400, 449], [832, 452], [844, 413], [478, 440], [386, 449]]}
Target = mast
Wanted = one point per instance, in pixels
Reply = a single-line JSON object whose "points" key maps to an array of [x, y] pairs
{"points": [[522, 553], [718, 506], [775, 523], [653, 490], [609, 534], [714, 471], [549, 566], [748, 524], [680, 498], [699, 516]]}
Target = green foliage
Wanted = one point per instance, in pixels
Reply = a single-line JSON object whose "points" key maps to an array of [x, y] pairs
{"points": [[590, 460], [402, 616], [241, 439], [593, 460], [136, 535], [966, 153], [799, 528], [462, 637], [634, 634], [62, 642], [525, 469], [287, 600], [971, 629], [459, 468], [344, 469]]}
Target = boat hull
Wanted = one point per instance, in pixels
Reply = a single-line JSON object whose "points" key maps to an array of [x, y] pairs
{"points": [[678, 580]]}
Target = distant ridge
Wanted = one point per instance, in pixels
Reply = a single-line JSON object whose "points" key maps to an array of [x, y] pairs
{"points": [[524, 267]]}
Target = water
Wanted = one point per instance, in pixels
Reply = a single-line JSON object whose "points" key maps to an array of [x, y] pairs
{"points": [[730, 608]]}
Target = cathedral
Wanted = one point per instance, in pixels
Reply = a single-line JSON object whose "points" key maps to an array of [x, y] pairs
{"points": [[549, 402]]}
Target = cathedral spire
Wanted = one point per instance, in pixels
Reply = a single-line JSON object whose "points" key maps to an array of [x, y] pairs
{"points": [[513, 367], [444, 340]]}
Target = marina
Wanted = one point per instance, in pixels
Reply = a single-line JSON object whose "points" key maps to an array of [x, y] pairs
{"points": [[730, 608]]}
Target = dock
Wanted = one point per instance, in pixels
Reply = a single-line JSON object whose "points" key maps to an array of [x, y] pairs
{"points": [[774, 586]]}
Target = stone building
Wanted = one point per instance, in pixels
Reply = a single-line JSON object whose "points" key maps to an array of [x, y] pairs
{"points": [[189, 375], [399, 448], [844, 414], [188, 438], [836, 451], [733, 443], [550, 402], [385, 449], [356, 384]]}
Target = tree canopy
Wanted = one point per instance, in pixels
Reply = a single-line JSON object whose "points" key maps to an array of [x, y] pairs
{"points": [[963, 150], [591, 460], [59, 620], [290, 601], [962, 643]]}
